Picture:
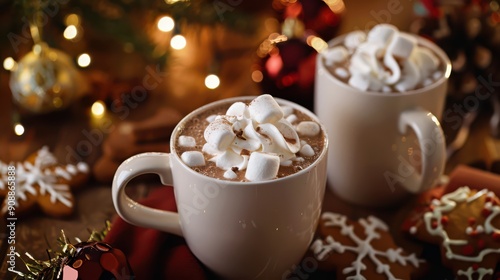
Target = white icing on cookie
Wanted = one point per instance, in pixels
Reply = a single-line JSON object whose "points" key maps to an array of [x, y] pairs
{"points": [[363, 248], [448, 202], [44, 172]]}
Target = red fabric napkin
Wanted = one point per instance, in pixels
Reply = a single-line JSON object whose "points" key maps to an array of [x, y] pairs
{"points": [[473, 178], [153, 254], [156, 255]]}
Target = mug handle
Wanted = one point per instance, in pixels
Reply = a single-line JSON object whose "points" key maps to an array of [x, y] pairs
{"points": [[132, 211], [429, 132]]}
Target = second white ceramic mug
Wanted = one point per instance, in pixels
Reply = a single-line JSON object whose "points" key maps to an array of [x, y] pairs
{"points": [[385, 145], [240, 230]]}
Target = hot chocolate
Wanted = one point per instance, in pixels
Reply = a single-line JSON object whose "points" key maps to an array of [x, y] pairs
{"points": [[254, 141], [383, 60]]}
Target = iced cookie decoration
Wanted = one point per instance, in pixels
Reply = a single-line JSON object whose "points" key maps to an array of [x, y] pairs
{"points": [[361, 250], [383, 60], [41, 181], [255, 138], [465, 224]]}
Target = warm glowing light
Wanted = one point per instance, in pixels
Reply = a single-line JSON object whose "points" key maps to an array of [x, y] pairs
{"points": [[18, 129], [84, 60], [170, 2], [178, 42], [337, 6], [9, 63], [70, 32], [72, 19], [257, 76], [212, 81], [317, 43], [166, 24], [98, 109]]}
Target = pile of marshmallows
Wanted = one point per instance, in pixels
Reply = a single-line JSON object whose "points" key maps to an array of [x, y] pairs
{"points": [[383, 60], [259, 138]]}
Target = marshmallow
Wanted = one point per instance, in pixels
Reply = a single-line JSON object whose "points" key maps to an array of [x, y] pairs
{"points": [[381, 34], [437, 75], [426, 61], [287, 110], [307, 151], [211, 118], [230, 159], [219, 134], [292, 118], [401, 46], [393, 65], [375, 85], [427, 82], [308, 128], [341, 72], [207, 148], [411, 77], [298, 159], [229, 174], [240, 124], [360, 65], [186, 141], [359, 81], [353, 39], [370, 53], [275, 141], [193, 158], [286, 162], [386, 89], [262, 167], [335, 55], [264, 109], [249, 144], [238, 109], [289, 135]]}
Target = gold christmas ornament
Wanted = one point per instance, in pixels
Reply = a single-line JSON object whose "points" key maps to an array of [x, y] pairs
{"points": [[45, 80]]}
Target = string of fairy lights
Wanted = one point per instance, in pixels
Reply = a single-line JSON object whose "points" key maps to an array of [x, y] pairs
{"points": [[170, 29]]}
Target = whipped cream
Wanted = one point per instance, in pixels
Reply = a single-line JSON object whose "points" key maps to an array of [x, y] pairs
{"points": [[383, 60]]}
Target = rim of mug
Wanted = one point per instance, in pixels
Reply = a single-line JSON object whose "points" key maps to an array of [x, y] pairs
{"points": [[247, 98], [421, 41]]}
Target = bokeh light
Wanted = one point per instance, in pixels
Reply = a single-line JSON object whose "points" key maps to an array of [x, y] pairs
{"points": [[178, 42], [84, 60], [212, 81], [166, 24]]}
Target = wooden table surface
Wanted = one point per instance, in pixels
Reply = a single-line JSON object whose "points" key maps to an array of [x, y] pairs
{"points": [[94, 206]]}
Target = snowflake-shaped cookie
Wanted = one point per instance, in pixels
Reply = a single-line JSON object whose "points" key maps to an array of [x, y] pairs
{"points": [[465, 223], [42, 181], [362, 250]]}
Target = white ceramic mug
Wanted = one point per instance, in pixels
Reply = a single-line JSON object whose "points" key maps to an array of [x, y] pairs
{"points": [[239, 230], [386, 145]]}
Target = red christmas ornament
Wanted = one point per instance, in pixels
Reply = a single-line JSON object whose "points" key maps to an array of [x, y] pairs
{"points": [[97, 260], [288, 72]]}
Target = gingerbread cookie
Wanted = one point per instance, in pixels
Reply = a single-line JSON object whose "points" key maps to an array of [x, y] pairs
{"points": [[361, 250], [41, 181], [465, 224]]}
